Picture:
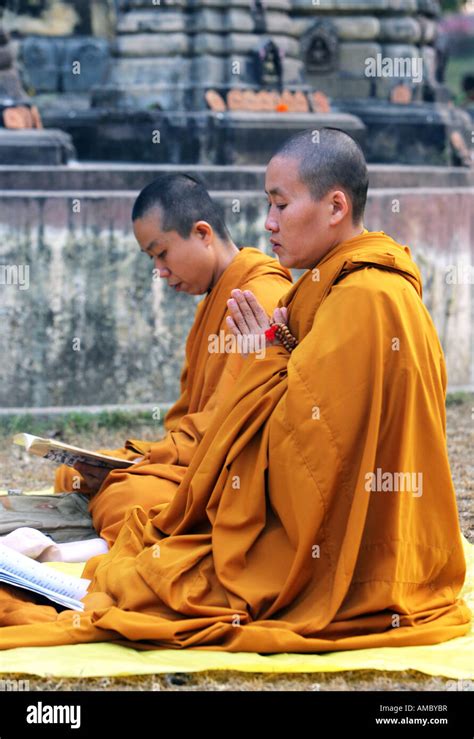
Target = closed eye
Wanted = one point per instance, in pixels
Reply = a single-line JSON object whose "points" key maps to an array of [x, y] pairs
{"points": [[280, 207]]}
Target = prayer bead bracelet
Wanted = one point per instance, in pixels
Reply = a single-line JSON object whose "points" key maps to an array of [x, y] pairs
{"points": [[281, 332]]}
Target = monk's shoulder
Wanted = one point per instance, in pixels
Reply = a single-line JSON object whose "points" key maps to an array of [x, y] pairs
{"points": [[374, 286], [268, 289], [375, 301]]}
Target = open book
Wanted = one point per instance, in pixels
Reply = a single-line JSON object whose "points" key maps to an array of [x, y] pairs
{"points": [[26, 573], [61, 453]]}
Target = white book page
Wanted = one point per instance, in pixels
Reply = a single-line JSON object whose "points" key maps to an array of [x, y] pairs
{"points": [[61, 453], [63, 600], [28, 572]]}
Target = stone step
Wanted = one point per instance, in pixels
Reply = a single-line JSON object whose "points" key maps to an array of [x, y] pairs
{"points": [[206, 19], [150, 21], [160, 45], [196, 5], [109, 180], [35, 146], [363, 6]]}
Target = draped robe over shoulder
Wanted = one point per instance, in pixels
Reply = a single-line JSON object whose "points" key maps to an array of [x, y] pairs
{"points": [[206, 378], [278, 539]]}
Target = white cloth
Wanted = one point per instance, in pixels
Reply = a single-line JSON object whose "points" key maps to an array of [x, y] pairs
{"points": [[32, 543]]}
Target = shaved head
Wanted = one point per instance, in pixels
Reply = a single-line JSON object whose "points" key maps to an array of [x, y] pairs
{"points": [[181, 200], [329, 159]]}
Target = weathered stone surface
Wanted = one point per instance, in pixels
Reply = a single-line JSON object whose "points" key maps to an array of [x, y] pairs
{"points": [[400, 30], [225, 4], [161, 19], [340, 88], [213, 43], [400, 51], [89, 281], [277, 23], [399, 6], [41, 147], [360, 28], [160, 95], [367, 6], [255, 137], [430, 7], [42, 63], [153, 44], [151, 70], [210, 19], [73, 64], [293, 72], [211, 69], [91, 284], [92, 55], [125, 5], [428, 30], [239, 20], [6, 57], [113, 178], [413, 135], [240, 43], [429, 64], [10, 85], [353, 56]]}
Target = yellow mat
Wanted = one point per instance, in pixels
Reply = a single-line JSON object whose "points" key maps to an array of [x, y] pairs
{"points": [[452, 659]]}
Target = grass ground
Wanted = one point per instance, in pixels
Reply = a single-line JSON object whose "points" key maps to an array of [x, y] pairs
{"points": [[20, 471]]}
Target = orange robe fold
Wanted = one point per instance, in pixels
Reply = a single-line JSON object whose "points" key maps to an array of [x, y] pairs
{"points": [[206, 379], [288, 532]]}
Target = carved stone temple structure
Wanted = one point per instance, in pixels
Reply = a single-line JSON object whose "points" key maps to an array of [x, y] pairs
{"points": [[223, 81], [172, 53]]}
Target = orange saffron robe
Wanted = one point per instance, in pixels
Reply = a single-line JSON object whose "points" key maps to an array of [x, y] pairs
{"points": [[206, 378], [278, 539]]}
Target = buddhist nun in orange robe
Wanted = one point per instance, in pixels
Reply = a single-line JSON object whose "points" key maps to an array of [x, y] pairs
{"points": [[181, 228], [318, 511], [207, 376]]}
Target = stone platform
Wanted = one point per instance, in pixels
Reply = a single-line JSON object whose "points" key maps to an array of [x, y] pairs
{"points": [[33, 146], [231, 138]]}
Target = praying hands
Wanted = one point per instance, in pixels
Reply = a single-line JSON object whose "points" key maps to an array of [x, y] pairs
{"points": [[248, 317]]}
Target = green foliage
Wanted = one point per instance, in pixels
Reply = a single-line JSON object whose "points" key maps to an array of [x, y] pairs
{"points": [[457, 68], [459, 398], [451, 6], [69, 425]]}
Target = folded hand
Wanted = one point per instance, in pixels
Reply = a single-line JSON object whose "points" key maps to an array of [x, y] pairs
{"points": [[247, 317]]}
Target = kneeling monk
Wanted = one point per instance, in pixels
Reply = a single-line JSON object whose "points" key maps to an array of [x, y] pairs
{"points": [[318, 512], [179, 226]]}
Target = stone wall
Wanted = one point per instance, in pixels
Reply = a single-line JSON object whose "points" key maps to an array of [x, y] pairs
{"points": [[85, 323]]}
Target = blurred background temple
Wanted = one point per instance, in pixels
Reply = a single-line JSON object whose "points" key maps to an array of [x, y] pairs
{"points": [[106, 71]]}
